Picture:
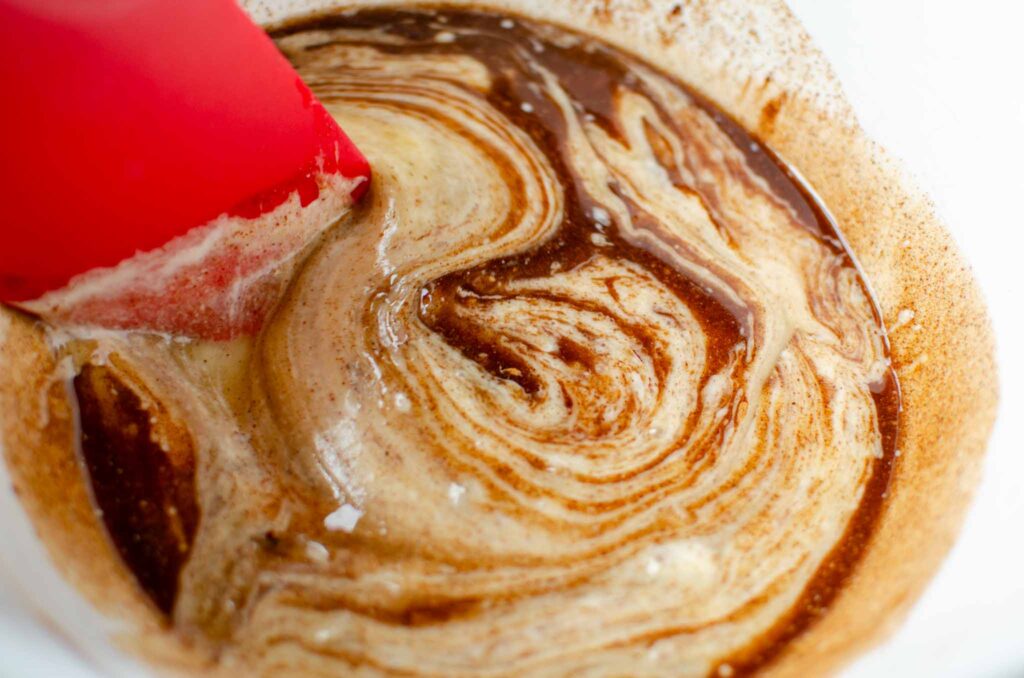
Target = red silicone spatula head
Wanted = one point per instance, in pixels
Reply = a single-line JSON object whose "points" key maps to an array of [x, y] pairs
{"points": [[129, 123]]}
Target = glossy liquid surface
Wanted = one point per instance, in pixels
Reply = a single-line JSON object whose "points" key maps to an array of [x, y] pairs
{"points": [[590, 384]]}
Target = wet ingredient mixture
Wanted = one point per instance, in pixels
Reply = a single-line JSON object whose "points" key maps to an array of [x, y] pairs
{"points": [[588, 385]]}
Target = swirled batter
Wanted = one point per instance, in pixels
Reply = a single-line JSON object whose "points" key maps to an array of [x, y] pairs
{"points": [[589, 386]]}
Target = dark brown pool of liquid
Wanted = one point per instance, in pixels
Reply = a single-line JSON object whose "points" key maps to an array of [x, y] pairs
{"points": [[143, 489], [147, 495]]}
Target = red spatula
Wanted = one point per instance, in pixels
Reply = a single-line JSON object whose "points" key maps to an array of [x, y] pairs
{"points": [[162, 164]]}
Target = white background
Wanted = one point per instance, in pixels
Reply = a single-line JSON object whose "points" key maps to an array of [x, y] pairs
{"points": [[939, 83]]}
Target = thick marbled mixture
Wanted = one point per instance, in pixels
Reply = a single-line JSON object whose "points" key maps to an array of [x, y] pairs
{"points": [[586, 387]]}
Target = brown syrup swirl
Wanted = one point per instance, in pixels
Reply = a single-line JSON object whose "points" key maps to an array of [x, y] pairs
{"points": [[142, 483], [589, 385]]}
